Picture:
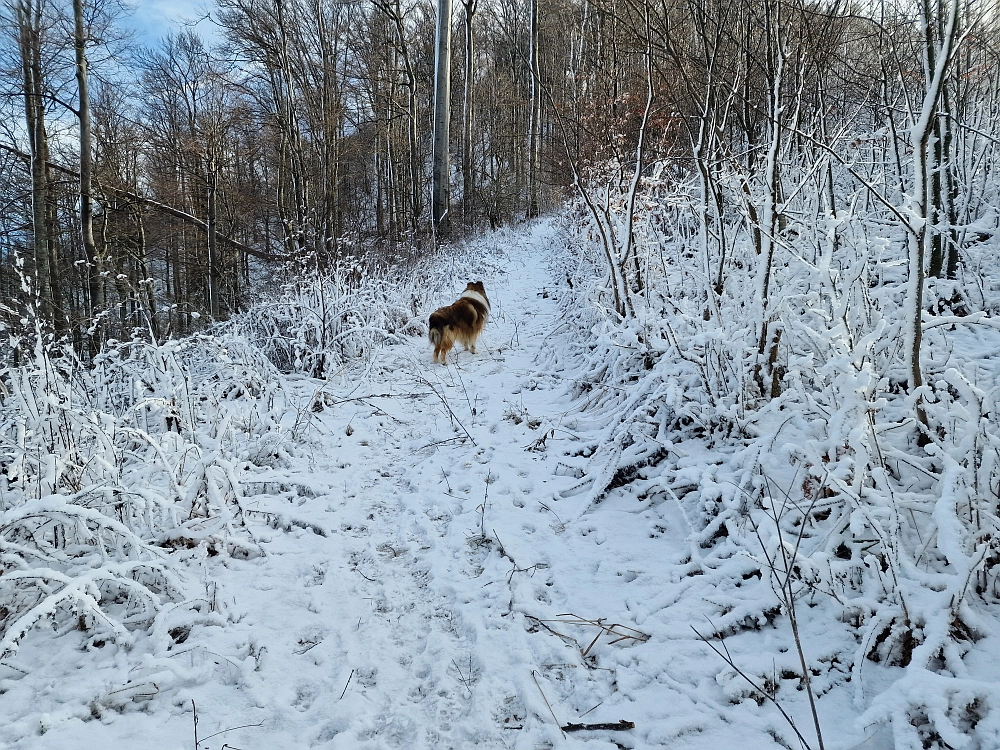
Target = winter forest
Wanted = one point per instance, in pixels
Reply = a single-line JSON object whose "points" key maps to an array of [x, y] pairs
{"points": [[724, 471]]}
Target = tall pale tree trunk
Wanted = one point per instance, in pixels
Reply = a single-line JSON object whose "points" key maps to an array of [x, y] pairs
{"points": [[331, 117], [441, 191], [285, 93], [412, 139], [769, 219], [937, 59], [769, 332], [28, 16], [468, 186], [534, 122], [95, 281], [214, 271], [145, 289], [629, 254]]}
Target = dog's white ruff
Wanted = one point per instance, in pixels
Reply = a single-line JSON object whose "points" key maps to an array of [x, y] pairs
{"points": [[470, 294]]}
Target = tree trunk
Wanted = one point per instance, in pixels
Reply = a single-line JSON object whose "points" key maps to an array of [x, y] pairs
{"points": [[442, 119], [772, 192], [331, 118], [937, 60], [534, 125], [28, 15], [467, 149], [214, 272], [629, 252], [94, 278], [392, 11], [145, 286]]}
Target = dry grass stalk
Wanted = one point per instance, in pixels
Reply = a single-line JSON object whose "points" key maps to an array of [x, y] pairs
{"points": [[534, 676], [616, 631]]}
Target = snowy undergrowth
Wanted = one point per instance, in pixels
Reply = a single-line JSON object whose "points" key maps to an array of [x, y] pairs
{"points": [[109, 468], [319, 321], [432, 521], [122, 480], [802, 471], [115, 477]]}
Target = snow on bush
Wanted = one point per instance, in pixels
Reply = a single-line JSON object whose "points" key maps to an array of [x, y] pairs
{"points": [[107, 470], [317, 321], [796, 457], [110, 472]]}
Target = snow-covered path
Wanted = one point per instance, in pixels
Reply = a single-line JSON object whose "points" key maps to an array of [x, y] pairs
{"points": [[425, 562], [452, 510]]}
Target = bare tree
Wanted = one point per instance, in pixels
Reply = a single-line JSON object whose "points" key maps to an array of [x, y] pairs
{"points": [[95, 280], [937, 56], [468, 88], [534, 121], [441, 191], [29, 18]]}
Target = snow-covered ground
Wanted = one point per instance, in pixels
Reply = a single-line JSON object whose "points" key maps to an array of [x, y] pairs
{"points": [[435, 574]]}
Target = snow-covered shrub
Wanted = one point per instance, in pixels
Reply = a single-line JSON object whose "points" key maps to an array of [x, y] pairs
{"points": [[803, 439], [107, 469], [316, 322]]}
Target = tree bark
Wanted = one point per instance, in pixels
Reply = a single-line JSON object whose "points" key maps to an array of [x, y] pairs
{"points": [[441, 192], [468, 185], [534, 124], [937, 60], [214, 272], [94, 277], [28, 15]]}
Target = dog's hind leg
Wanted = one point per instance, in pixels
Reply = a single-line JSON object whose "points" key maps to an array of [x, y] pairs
{"points": [[447, 342], [468, 343]]}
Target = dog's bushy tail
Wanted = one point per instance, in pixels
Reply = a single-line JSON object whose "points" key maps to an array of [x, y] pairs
{"points": [[434, 334]]}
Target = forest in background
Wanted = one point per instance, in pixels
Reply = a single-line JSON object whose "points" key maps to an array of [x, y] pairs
{"points": [[143, 188]]}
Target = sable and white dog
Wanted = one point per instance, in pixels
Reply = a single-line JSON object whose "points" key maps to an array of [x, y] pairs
{"points": [[462, 321]]}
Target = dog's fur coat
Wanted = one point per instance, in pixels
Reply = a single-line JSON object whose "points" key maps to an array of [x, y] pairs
{"points": [[462, 321]]}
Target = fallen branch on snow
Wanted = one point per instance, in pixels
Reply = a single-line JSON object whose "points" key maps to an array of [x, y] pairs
{"points": [[616, 726]]}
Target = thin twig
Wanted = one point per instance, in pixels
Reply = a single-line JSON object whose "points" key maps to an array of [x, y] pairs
{"points": [[534, 676], [462, 677], [379, 395], [461, 380], [727, 657], [11, 666], [546, 507], [789, 560], [348, 681], [447, 406], [503, 551], [233, 729], [131, 687], [615, 629], [442, 442]]}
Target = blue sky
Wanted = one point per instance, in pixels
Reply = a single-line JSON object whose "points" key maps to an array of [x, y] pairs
{"points": [[154, 19]]}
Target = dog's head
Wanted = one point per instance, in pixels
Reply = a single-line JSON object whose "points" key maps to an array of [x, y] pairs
{"points": [[476, 286]]}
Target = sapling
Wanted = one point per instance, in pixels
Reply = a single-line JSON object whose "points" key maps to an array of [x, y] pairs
{"points": [[782, 567]]}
